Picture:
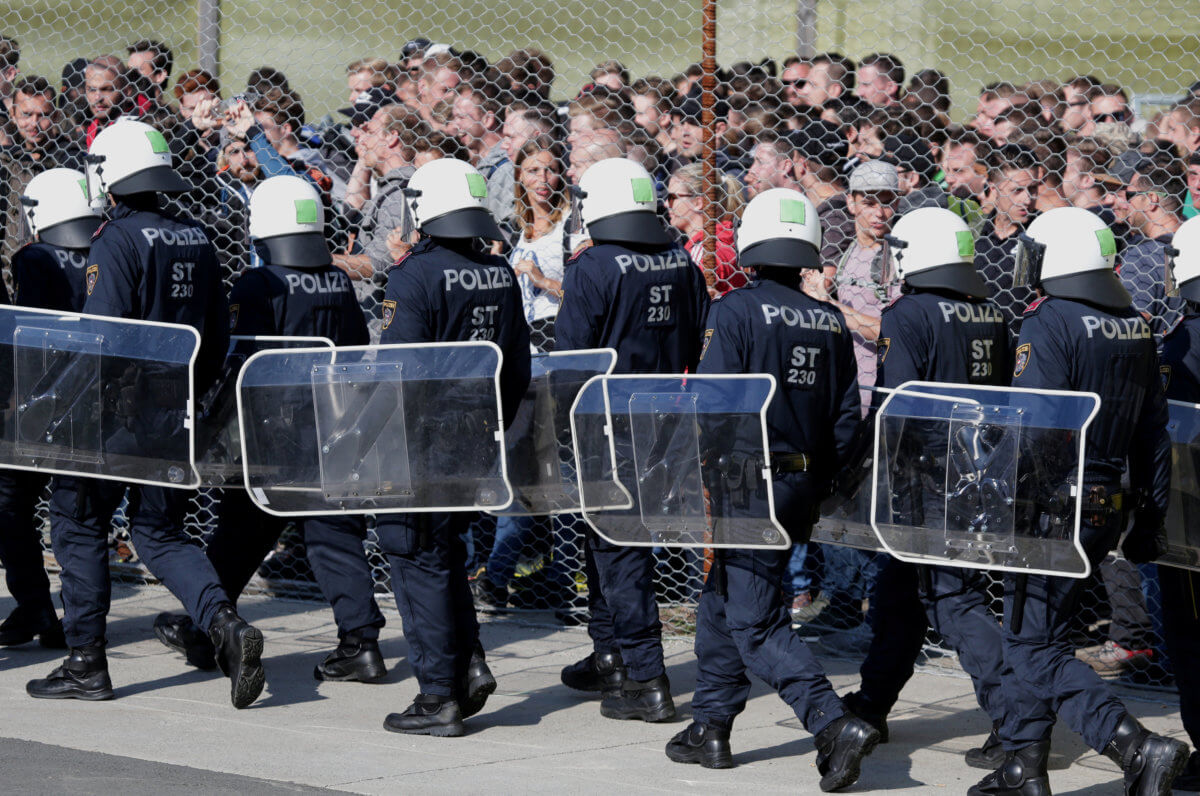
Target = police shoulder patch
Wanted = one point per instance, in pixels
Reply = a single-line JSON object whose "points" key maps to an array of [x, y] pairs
{"points": [[882, 346], [92, 276], [234, 310], [1164, 373], [1024, 352], [389, 312], [1033, 305], [708, 333]]}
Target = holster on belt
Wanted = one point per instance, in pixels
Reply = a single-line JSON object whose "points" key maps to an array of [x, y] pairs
{"points": [[717, 572], [735, 476]]}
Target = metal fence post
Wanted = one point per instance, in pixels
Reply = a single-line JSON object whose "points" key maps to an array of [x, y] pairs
{"points": [[708, 154], [208, 35], [806, 28]]}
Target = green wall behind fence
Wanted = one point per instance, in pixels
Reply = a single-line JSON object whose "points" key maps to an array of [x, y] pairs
{"points": [[1150, 46]]}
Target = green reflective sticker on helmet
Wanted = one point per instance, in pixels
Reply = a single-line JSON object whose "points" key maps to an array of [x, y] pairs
{"points": [[83, 188], [306, 211], [1108, 244], [643, 190], [477, 185], [158, 144], [966, 243], [791, 211]]}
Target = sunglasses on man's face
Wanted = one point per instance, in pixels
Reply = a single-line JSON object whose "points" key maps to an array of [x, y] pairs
{"points": [[1117, 116], [799, 82]]}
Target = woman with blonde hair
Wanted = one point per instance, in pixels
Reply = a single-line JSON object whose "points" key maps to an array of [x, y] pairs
{"points": [[537, 259], [686, 202]]}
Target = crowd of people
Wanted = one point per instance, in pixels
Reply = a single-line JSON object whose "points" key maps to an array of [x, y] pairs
{"points": [[866, 144]]}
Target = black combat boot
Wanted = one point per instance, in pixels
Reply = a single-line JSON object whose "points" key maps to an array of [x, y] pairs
{"points": [[23, 624], [478, 684], [180, 633], [1189, 780], [356, 658], [990, 756], [841, 748], [428, 715], [1023, 773], [84, 675], [703, 744], [600, 671], [1151, 762], [239, 647], [857, 704], [648, 701]]}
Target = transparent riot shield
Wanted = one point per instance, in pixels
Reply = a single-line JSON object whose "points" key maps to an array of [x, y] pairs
{"points": [[97, 396], [1183, 533], [677, 461], [383, 429], [982, 477], [541, 466], [218, 437]]}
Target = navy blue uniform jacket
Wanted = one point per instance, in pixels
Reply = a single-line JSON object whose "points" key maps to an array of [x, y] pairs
{"points": [[941, 336], [147, 266], [49, 277], [1180, 368], [451, 292], [1070, 345], [648, 304], [297, 302], [766, 327]]}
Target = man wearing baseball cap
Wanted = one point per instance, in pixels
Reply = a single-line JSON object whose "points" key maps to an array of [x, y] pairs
{"points": [[865, 283]]}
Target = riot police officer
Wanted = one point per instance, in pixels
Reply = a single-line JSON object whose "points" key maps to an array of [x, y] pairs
{"points": [[1082, 334], [46, 273], [446, 289], [743, 624], [150, 266], [1181, 614], [296, 292], [941, 328], [638, 293]]}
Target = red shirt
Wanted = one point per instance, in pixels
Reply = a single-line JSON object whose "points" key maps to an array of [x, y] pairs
{"points": [[726, 270]]}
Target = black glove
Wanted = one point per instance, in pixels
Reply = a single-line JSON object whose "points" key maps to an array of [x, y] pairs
{"points": [[1146, 540]]}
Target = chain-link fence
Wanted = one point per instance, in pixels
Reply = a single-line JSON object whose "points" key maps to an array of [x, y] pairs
{"points": [[997, 109]]}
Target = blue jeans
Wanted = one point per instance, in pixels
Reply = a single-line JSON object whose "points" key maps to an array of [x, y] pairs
{"points": [[850, 573], [513, 533], [799, 576]]}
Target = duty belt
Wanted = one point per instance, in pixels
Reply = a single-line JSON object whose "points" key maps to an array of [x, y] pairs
{"points": [[790, 463]]}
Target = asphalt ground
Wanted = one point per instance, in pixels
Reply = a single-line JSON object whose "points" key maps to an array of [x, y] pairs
{"points": [[171, 728]]}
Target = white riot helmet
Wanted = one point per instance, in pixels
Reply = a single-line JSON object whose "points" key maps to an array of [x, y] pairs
{"points": [[934, 248], [287, 223], [779, 227], [618, 204], [446, 198], [130, 157], [1183, 261], [58, 210], [1070, 253]]}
